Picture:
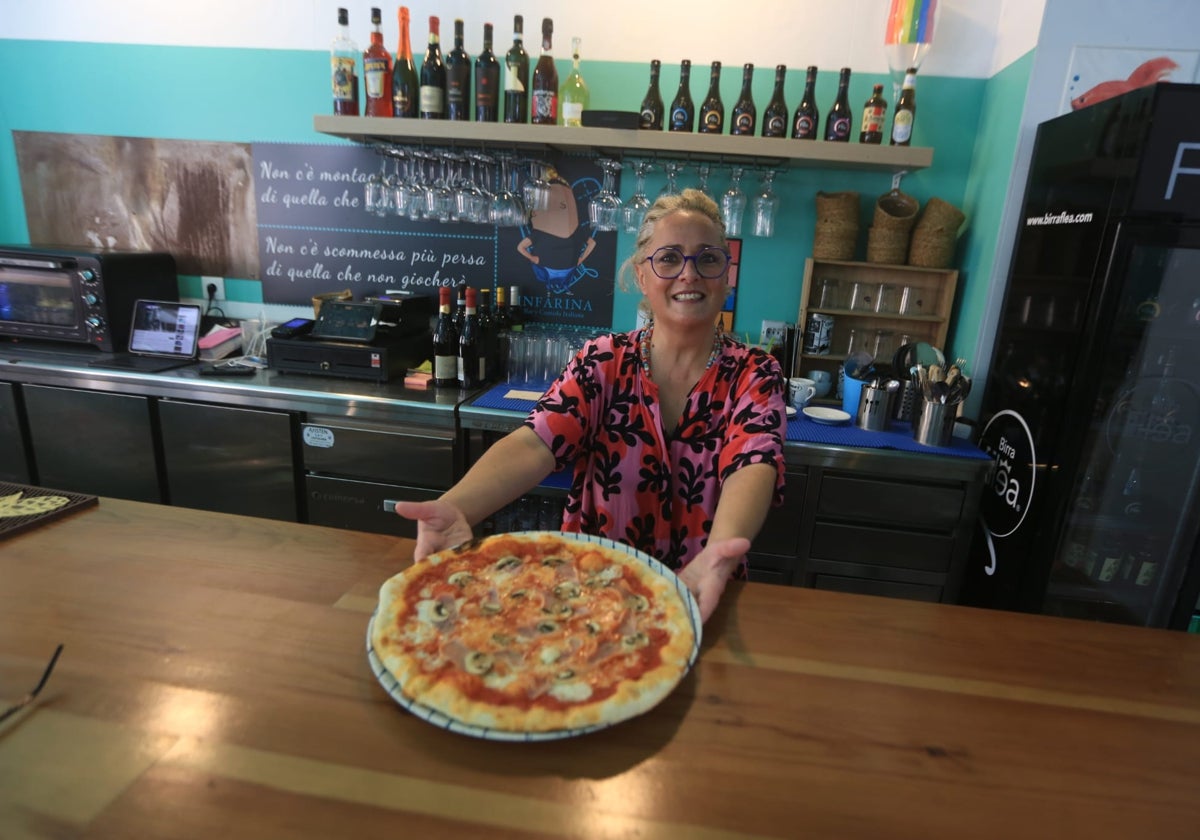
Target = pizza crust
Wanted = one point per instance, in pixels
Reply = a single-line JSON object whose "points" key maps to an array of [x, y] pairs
{"points": [[538, 632]]}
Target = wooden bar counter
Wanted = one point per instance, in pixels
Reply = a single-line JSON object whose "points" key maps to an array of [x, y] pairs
{"points": [[214, 684]]}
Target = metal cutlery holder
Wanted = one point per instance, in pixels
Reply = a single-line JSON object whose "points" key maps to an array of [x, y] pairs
{"points": [[875, 408], [933, 422], [902, 408]]}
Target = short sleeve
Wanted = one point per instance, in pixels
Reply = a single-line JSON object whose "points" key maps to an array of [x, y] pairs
{"points": [[756, 420]]}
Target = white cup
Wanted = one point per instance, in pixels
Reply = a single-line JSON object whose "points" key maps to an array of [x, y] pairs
{"points": [[800, 391], [822, 380]]}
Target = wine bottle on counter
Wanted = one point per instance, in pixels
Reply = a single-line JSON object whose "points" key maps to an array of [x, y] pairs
{"points": [[502, 327], [487, 81], [837, 123], [516, 315], [344, 66], [775, 117], [874, 117], [545, 80], [712, 109], [652, 102], [487, 332], [471, 360], [445, 343], [406, 88], [573, 96], [516, 76], [745, 114], [433, 77], [458, 78], [683, 112], [377, 70], [906, 110], [460, 310], [807, 119]]}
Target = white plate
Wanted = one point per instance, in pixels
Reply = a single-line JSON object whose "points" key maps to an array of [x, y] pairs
{"points": [[828, 416], [392, 687], [791, 411]]}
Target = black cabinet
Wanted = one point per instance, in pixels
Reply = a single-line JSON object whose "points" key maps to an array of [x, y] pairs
{"points": [[93, 442], [232, 460], [774, 551], [14, 462]]}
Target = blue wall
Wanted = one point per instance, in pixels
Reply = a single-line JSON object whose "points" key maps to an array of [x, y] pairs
{"points": [[244, 95]]}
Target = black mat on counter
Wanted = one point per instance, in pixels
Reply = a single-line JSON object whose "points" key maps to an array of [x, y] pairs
{"points": [[20, 509]]}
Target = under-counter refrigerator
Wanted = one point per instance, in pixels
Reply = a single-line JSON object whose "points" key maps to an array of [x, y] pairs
{"points": [[1092, 402]]}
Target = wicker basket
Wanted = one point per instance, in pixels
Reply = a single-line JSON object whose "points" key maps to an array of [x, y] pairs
{"points": [[895, 210], [836, 207], [834, 241], [317, 300], [887, 245], [941, 216], [932, 249]]}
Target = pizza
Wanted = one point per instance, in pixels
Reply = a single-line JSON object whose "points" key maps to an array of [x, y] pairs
{"points": [[535, 632]]}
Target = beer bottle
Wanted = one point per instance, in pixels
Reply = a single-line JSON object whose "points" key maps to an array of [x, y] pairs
{"points": [[683, 112], [874, 117], [712, 109], [652, 102], [775, 117], [807, 119], [745, 114], [906, 110], [837, 123]]}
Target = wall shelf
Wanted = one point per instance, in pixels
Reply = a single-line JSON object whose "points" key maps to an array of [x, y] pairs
{"points": [[616, 142]]}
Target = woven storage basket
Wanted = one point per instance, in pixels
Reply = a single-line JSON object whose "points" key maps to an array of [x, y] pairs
{"points": [[941, 216], [895, 210], [838, 207], [930, 249], [887, 245], [834, 241]]}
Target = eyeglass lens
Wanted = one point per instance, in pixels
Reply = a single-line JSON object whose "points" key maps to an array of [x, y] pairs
{"points": [[668, 263]]}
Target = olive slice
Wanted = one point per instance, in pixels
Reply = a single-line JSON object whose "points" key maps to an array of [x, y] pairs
{"points": [[478, 663]]}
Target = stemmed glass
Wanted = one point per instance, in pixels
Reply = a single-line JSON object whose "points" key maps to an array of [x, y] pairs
{"points": [[733, 203], [671, 187], [536, 190], [635, 208], [374, 190], [439, 198], [418, 185], [703, 171], [508, 210], [604, 210], [766, 206]]}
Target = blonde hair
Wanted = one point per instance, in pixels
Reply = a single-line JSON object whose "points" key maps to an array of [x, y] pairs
{"points": [[689, 201]]}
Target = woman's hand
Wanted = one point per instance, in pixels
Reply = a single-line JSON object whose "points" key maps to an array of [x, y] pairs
{"points": [[711, 569], [440, 525]]}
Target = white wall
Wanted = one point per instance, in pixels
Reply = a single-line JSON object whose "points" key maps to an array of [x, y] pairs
{"points": [[1067, 24], [973, 39]]}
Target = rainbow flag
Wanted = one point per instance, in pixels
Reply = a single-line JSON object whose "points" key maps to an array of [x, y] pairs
{"points": [[911, 22]]}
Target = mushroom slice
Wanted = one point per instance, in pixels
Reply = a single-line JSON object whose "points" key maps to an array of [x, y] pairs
{"points": [[553, 560], [490, 607], [507, 562], [564, 611], [478, 663], [461, 579], [637, 603], [635, 640], [564, 674], [547, 626], [592, 627], [566, 589]]}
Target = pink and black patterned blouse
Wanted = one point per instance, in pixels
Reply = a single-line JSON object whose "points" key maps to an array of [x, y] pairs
{"points": [[633, 482]]}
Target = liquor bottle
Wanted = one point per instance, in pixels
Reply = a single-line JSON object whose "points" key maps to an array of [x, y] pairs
{"points": [[573, 96], [775, 117], [516, 315], [807, 120], [745, 114], [545, 81], [683, 112], [837, 123], [377, 70], [487, 332], [343, 59], [458, 78], [906, 110], [487, 81], [516, 77], [433, 77], [874, 117], [471, 360], [406, 89], [652, 102], [445, 343], [712, 109]]}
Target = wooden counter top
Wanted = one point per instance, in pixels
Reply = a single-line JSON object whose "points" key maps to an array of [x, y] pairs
{"points": [[214, 684]]}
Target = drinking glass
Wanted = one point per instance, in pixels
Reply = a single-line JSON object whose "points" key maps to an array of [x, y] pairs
{"points": [[671, 187], [827, 293], [702, 172], [604, 210], [439, 198], [508, 209], [374, 199], [766, 206], [733, 203], [635, 209], [536, 189]]}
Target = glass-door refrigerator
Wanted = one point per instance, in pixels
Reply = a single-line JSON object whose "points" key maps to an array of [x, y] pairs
{"points": [[1092, 403]]}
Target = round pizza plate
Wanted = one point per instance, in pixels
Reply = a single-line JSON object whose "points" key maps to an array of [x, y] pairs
{"points": [[392, 686]]}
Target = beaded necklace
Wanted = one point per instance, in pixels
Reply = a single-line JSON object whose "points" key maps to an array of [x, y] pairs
{"points": [[648, 333]]}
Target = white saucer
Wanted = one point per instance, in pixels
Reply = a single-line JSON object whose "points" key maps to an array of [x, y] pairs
{"points": [[828, 416], [791, 412]]}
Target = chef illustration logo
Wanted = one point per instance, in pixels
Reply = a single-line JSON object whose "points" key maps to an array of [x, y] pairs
{"points": [[556, 243]]}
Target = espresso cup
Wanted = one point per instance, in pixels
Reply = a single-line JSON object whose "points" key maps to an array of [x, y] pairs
{"points": [[823, 380], [800, 391]]}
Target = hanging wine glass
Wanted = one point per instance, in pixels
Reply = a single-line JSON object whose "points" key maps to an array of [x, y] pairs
{"points": [[635, 208], [733, 203], [536, 189], [671, 187], [604, 210], [702, 171], [765, 207], [508, 210], [439, 200], [374, 199]]}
